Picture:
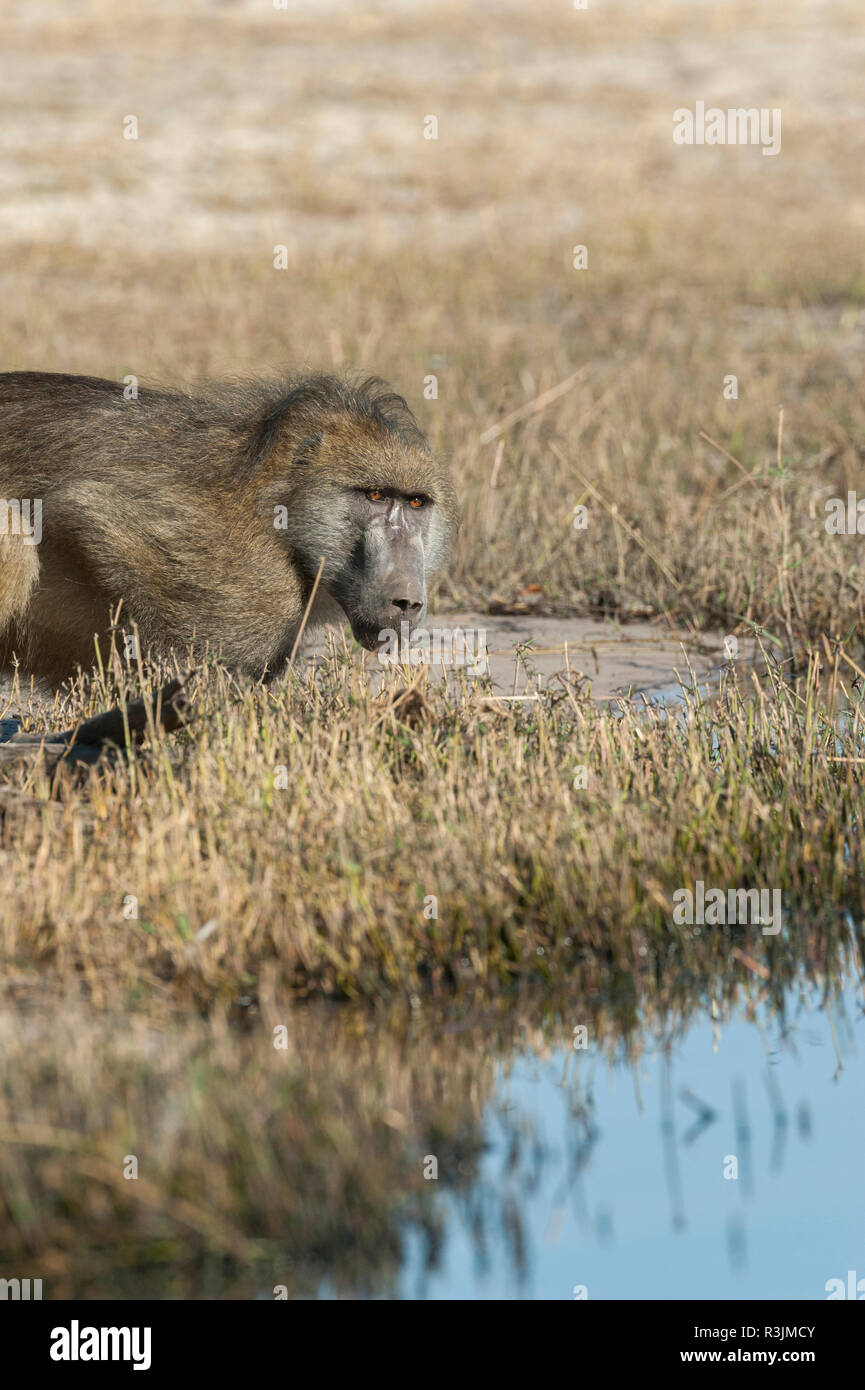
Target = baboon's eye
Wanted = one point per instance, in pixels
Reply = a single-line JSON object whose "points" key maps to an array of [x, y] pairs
{"points": [[417, 502], [373, 495]]}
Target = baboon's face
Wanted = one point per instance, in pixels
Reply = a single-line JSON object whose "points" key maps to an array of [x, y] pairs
{"points": [[382, 582], [383, 523]]}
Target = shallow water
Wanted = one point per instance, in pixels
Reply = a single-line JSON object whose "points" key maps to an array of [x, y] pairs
{"points": [[611, 1176], [527, 652], [452, 1155]]}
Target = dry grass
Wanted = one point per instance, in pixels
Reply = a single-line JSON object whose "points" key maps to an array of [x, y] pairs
{"points": [[262, 1166], [311, 823]]}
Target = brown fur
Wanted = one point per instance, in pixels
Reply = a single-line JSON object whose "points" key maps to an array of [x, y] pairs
{"points": [[167, 503]]}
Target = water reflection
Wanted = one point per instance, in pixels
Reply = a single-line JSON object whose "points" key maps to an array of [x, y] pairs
{"points": [[706, 1142], [674, 1175]]}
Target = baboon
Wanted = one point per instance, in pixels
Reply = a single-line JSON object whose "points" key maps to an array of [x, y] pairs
{"points": [[208, 514]]}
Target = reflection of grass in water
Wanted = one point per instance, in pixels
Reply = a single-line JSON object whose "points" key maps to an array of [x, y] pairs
{"points": [[257, 1166], [754, 1104], [262, 1167]]}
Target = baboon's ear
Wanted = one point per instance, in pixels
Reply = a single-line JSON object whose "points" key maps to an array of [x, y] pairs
{"points": [[307, 449], [268, 429]]}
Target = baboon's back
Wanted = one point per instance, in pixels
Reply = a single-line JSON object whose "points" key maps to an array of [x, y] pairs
{"points": [[141, 502]]}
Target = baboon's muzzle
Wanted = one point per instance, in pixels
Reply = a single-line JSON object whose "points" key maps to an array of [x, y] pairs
{"points": [[394, 588]]}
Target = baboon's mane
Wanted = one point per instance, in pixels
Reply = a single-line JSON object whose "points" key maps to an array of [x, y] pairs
{"points": [[316, 399]]}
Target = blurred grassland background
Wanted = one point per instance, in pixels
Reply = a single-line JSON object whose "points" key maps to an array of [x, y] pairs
{"points": [[304, 128]]}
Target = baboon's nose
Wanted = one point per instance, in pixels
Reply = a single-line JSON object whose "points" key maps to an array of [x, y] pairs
{"points": [[409, 607]]}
